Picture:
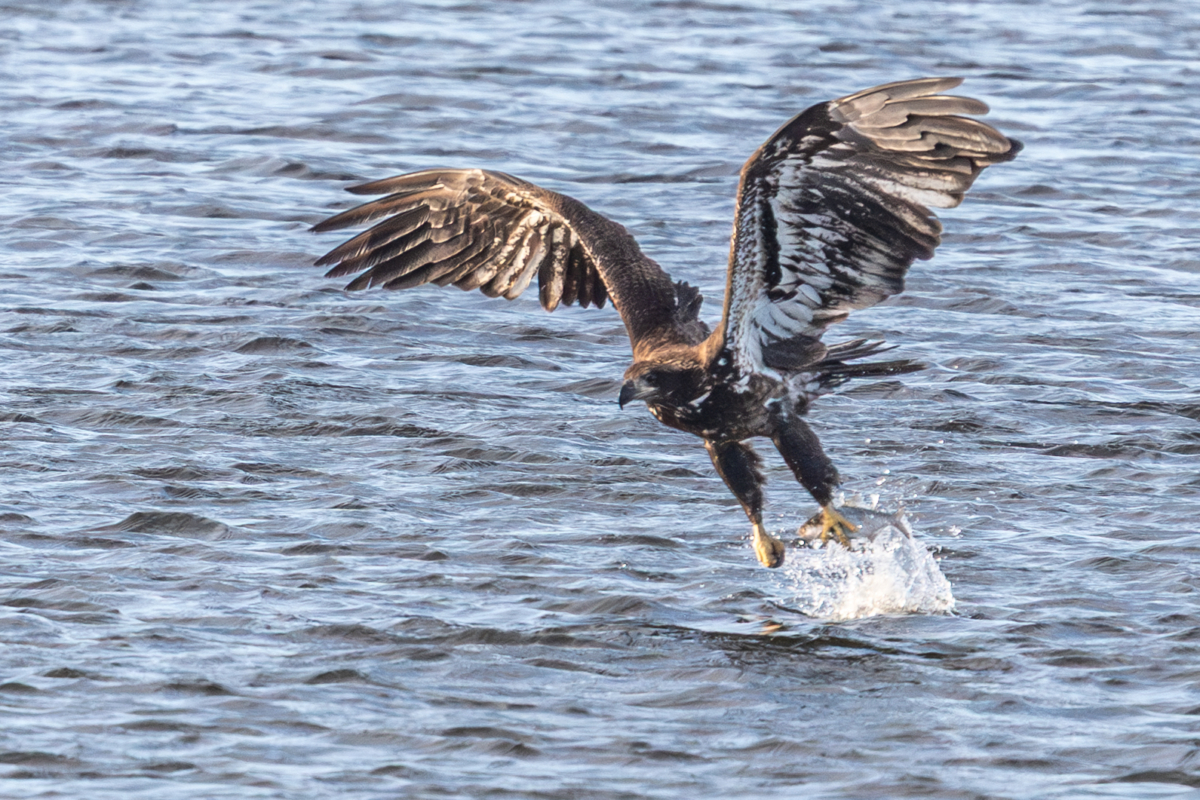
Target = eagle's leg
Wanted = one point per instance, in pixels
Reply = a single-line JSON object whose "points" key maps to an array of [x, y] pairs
{"points": [[737, 464], [802, 451]]}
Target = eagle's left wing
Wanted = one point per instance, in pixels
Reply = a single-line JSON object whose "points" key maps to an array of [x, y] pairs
{"points": [[834, 207]]}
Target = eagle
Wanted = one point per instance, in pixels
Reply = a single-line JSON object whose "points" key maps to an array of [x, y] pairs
{"points": [[831, 212]]}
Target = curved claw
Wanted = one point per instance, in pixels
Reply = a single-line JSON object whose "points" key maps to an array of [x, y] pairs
{"points": [[835, 523], [770, 551]]}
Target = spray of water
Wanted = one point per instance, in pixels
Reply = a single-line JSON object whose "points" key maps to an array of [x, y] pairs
{"points": [[887, 570]]}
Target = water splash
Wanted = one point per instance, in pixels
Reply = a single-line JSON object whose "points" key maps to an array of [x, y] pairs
{"points": [[886, 571]]}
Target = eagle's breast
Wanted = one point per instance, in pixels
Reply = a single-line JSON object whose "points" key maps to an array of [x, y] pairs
{"points": [[732, 410]]}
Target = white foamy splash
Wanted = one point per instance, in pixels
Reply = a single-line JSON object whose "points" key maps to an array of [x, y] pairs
{"points": [[886, 571]]}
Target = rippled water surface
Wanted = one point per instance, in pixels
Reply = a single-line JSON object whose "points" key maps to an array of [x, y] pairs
{"points": [[264, 538]]}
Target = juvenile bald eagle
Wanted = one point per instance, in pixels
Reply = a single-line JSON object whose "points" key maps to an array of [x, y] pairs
{"points": [[831, 211]]}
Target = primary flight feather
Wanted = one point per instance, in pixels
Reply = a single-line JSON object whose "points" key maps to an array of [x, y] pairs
{"points": [[831, 212]]}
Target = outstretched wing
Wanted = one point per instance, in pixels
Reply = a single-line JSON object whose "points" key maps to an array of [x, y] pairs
{"points": [[834, 207], [486, 230]]}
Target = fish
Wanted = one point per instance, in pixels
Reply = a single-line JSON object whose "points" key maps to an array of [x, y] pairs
{"points": [[869, 524]]}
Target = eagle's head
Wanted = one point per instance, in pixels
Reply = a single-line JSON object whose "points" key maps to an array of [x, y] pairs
{"points": [[663, 383]]}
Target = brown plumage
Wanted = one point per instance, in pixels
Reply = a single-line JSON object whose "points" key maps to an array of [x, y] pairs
{"points": [[831, 212]]}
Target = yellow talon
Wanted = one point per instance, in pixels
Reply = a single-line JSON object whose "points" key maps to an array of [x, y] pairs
{"points": [[770, 551], [832, 521]]}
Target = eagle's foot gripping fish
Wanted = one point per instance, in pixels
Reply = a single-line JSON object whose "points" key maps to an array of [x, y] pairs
{"points": [[832, 522], [857, 524]]}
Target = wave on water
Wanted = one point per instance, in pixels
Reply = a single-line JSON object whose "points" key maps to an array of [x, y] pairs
{"points": [[887, 570]]}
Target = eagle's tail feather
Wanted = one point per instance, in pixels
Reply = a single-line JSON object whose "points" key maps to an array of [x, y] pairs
{"points": [[833, 370]]}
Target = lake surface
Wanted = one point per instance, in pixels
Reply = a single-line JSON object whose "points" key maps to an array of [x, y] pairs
{"points": [[263, 538]]}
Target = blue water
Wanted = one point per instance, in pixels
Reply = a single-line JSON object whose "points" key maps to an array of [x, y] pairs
{"points": [[262, 538]]}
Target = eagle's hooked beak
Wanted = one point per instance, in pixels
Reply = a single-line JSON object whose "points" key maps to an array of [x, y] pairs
{"points": [[634, 390]]}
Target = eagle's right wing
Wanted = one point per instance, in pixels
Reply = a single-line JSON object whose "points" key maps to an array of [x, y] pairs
{"points": [[834, 207], [479, 229]]}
